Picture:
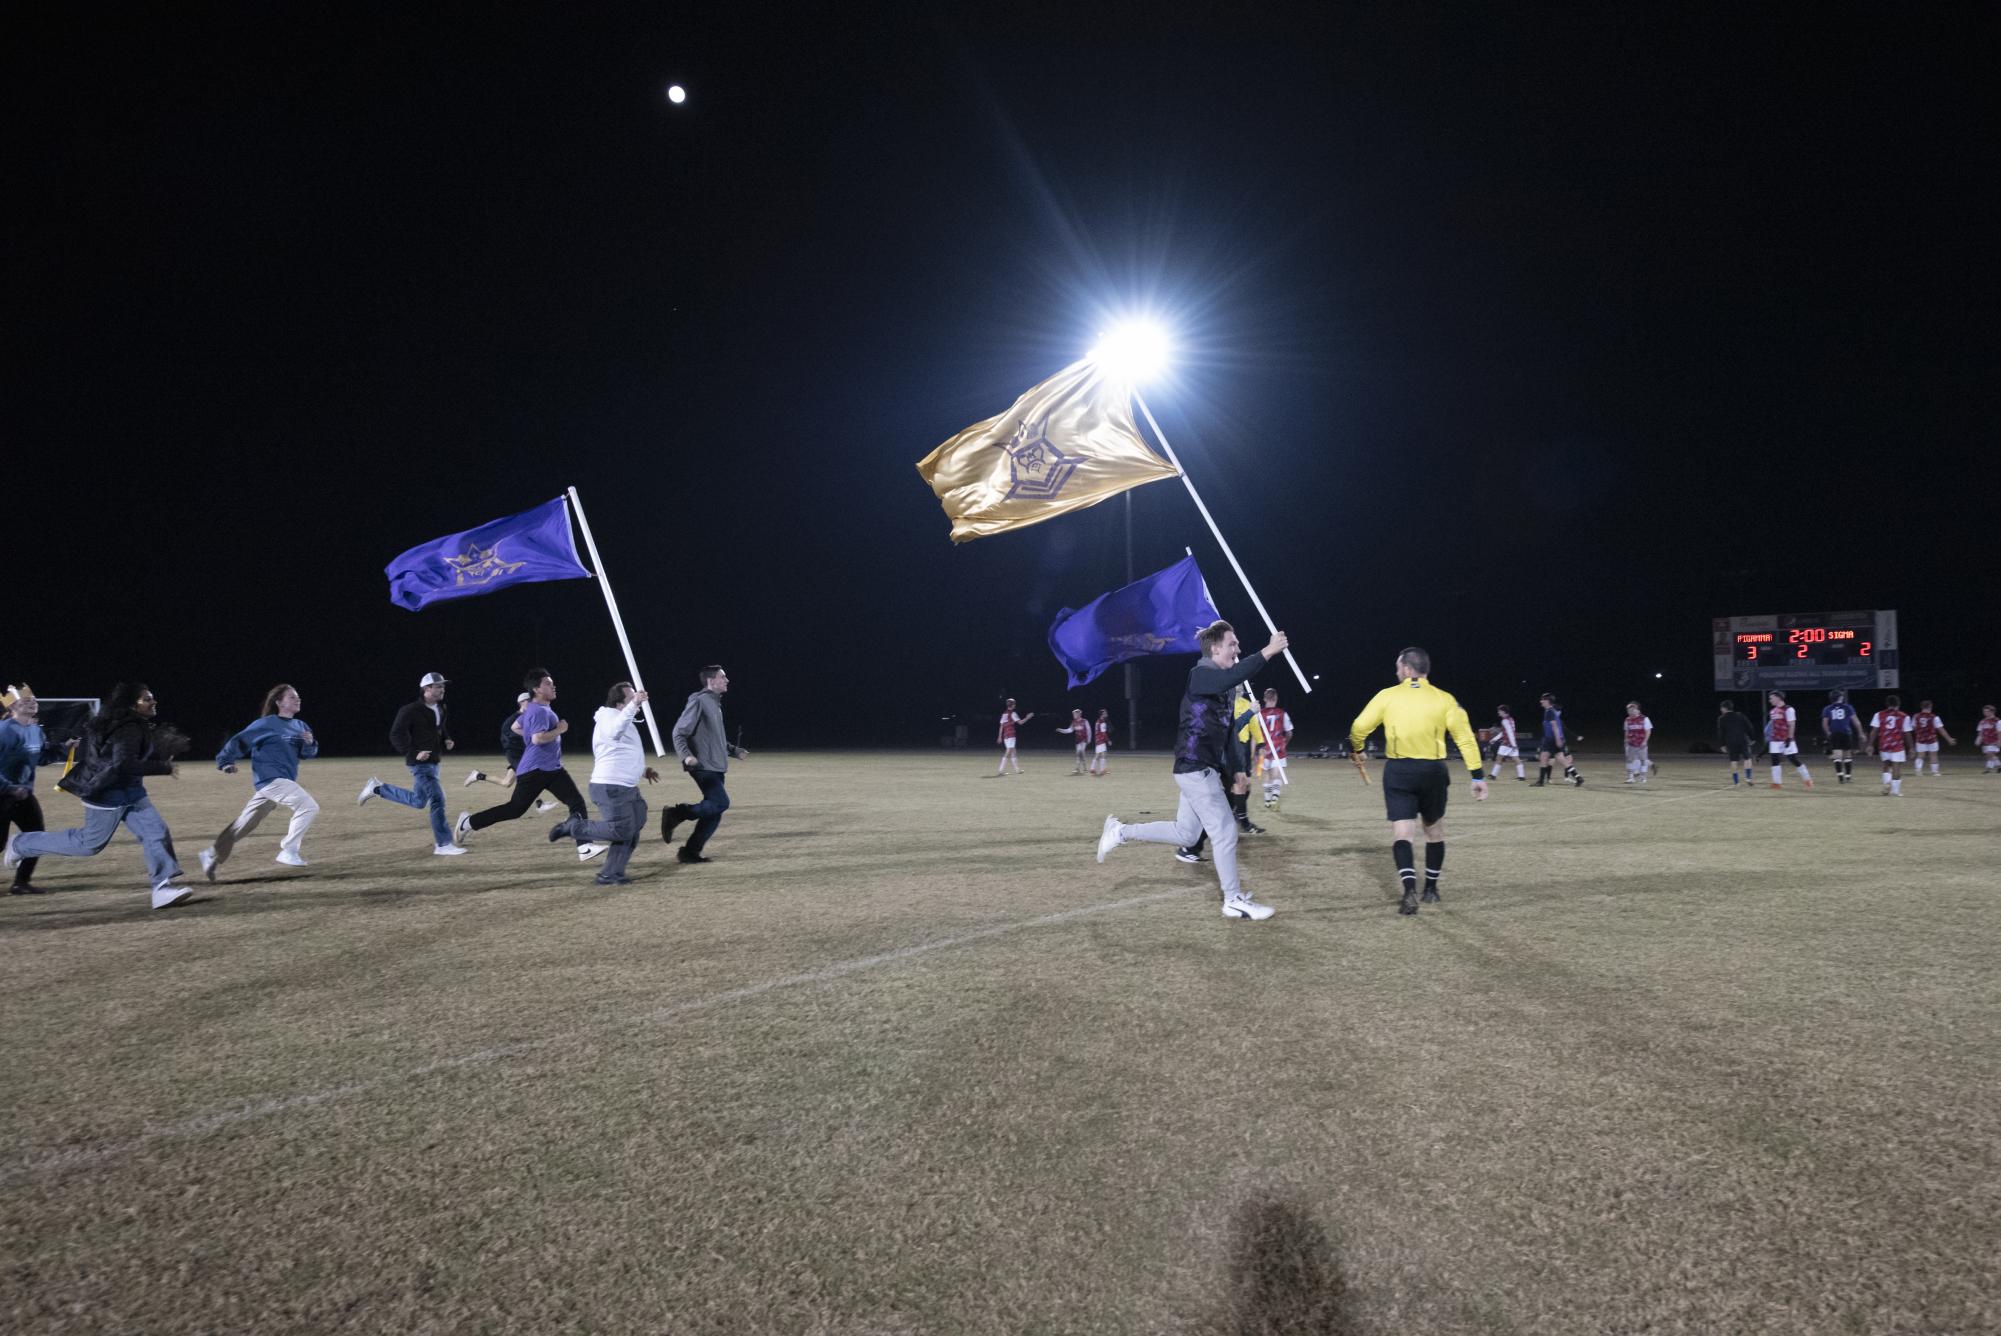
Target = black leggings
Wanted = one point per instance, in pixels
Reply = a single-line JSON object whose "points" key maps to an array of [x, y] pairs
{"points": [[527, 788]]}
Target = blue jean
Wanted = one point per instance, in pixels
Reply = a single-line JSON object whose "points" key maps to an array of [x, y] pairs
{"points": [[99, 825], [428, 792], [708, 813], [624, 820]]}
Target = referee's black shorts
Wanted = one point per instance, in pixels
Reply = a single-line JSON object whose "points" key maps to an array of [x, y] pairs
{"points": [[1415, 790]]}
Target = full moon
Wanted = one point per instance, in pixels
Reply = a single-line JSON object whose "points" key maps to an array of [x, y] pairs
{"points": [[676, 93]]}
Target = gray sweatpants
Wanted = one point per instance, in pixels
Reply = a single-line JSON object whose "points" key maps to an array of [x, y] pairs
{"points": [[1203, 807], [624, 820]]}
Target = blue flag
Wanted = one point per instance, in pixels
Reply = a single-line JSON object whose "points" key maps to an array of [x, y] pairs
{"points": [[521, 549], [1157, 615]]}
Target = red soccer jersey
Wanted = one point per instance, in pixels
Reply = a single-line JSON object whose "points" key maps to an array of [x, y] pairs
{"points": [[1890, 726], [1080, 731], [1104, 733], [1636, 731], [1009, 721], [1925, 724], [1782, 723], [1277, 727], [1507, 727], [1988, 732]]}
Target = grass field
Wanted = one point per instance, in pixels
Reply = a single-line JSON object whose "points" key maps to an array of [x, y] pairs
{"points": [[904, 1058]]}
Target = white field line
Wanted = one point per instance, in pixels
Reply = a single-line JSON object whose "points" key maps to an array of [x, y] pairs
{"points": [[76, 1157]]}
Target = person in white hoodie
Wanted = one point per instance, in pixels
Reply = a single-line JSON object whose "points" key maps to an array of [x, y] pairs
{"points": [[618, 764]]}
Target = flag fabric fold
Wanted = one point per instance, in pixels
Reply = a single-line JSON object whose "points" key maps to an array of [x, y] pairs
{"points": [[1157, 615], [1066, 444], [520, 549]]}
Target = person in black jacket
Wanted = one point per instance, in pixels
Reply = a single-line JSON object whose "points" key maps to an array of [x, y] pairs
{"points": [[1735, 734], [121, 746], [511, 746], [423, 733]]}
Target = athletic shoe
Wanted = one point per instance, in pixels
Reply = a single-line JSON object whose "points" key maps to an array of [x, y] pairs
{"points": [[684, 856], [546, 804], [167, 894], [560, 831], [671, 818], [611, 881], [207, 859], [289, 860], [587, 851], [462, 831], [1807, 782], [367, 790], [449, 850], [23, 888], [1629, 779], [11, 858], [1250, 827], [1187, 855], [1578, 780], [475, 777], [1540, 784], [1778, 786], [1408, 905], [1430, 895], [1242, 906], [1109, 838]]}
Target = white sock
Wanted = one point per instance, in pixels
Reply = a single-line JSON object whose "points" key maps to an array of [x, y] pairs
{"points": [[1896, 786], [1805, 774], [1778, 774]]}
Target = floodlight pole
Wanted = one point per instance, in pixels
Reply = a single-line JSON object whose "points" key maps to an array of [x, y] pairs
{"points": [[1221, 542], [1132, 678], [617, 622]]}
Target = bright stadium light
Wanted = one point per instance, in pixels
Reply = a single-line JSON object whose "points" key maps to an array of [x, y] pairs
{"points": [[1134, 350]]}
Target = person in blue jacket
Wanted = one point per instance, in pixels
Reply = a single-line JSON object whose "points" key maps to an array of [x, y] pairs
{"points": [[274, 746], [22, 747]]}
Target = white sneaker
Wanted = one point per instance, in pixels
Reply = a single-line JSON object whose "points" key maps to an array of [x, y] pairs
{"points": [[587, 851], [289, 860], [207, 859], [449, 851], [10, 858], [474, 778], [367, 790], [165, 895], [546, 805], [1110, 838], [463, 830], [1241, 906]]}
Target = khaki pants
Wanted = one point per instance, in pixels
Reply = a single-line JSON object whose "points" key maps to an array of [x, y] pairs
{"points": [[278, 793]]}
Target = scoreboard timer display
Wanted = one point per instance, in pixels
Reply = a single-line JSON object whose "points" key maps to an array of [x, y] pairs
{"points": [[1811, 651]]}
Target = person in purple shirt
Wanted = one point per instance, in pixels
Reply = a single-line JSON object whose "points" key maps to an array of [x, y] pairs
{"points": [[540, 769]]}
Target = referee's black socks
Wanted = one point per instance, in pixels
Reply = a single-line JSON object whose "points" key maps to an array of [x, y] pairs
{"points": [[1434, 863], [1406, 865], [1545, 774]]}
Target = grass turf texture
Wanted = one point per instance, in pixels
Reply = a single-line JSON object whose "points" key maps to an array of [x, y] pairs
{"points": [[905, 1058]]}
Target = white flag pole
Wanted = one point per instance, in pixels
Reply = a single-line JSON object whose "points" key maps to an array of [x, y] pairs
{"points": [[1221, 542], [617, 622]]}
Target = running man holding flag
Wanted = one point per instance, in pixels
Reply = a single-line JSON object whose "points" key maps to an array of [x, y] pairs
{"points": [[1415, 717]]}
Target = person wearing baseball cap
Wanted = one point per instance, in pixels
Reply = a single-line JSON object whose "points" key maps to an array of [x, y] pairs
{"points": [[423, 734]]}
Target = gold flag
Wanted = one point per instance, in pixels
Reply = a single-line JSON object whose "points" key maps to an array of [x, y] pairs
{"points": [[1068, 443]]}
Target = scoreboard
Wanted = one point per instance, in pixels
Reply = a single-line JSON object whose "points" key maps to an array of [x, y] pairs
{"points": [[1810, 651]]}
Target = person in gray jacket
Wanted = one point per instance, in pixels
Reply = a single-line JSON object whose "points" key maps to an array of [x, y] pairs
{"points": [[705, 753]]}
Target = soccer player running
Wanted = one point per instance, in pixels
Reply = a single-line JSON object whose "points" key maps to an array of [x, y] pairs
{"points": [[1555, 743], [1415, 716], [1010, 724], [1201, 735], [274, 746], [1079, 732], [1639, 731], [121, 746], [1888, 738], [1508, 743], [1987, 737], [1101, 738], [705, 751], [1782, 741], [541, 766], [1733, 735], [618, 764], [422, 731], [1839, 724], [1278, 732], [511, 746], [1926, 730]]}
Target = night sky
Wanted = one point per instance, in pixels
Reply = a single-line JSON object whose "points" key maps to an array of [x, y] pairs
{"points": [[1536, 343]]}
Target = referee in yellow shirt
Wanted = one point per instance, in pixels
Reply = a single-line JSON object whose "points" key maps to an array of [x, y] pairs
{"points": [[1415, 717]]}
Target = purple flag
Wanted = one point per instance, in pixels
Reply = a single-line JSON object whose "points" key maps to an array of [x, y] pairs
{"points": [[1157, 615], [521, 549]]}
